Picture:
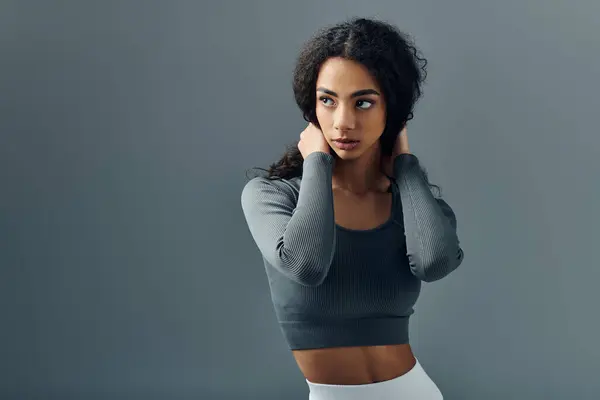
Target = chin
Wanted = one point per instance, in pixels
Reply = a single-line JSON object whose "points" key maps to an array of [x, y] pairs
{"points": [[363, 148], [348, 155]]}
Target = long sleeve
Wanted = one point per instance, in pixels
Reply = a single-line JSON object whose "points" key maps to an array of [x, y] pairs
{"points": [[295, 237], [432, 243]]}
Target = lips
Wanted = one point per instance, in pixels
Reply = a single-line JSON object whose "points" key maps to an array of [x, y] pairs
{"points": [[346, 144], [345, 140]]}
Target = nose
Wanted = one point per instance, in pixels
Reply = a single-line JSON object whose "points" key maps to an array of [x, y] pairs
{"points": [[344, 119]]}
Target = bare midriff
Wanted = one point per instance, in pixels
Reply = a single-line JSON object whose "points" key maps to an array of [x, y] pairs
{"points": [[355, 365]]}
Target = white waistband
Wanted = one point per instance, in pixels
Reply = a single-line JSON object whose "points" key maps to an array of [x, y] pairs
{"points": [[415, 384]]}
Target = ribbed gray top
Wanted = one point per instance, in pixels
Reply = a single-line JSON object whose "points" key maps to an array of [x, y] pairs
{"points": [[333, 286]]}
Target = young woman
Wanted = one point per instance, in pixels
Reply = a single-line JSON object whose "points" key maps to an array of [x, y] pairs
{"points": [[347, 222]]}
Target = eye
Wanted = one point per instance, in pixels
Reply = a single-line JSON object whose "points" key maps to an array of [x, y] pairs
{"points": [[364, 104], [324, 101]]}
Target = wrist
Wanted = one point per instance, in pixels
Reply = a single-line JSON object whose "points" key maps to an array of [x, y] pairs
{"points": [[400, 153], [403, 162], [321, 155]]}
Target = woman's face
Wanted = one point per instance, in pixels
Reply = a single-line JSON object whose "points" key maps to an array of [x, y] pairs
{"points": [[350, 107]]}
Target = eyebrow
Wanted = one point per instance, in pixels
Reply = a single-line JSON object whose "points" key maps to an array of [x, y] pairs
{"points": [[355, 94]]}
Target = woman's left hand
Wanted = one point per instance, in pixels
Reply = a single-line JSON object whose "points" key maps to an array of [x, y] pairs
{"points": [[401, 145]]}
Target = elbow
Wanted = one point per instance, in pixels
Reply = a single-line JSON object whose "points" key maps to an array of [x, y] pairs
{"points": [[311, 274], [438, 267], [305, 267], [311, 280], [308, 271]]}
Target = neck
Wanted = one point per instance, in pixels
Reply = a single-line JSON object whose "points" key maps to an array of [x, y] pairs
{"points": [[361, 175]]}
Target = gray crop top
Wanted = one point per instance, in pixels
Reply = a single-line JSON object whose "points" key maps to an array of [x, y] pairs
{"points": [[333, 286]]}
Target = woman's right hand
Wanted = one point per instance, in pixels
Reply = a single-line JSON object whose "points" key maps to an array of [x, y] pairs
{"points": [[312, 140]]}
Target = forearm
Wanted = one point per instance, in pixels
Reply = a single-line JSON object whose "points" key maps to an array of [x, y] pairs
{"points": [[431, 241], [295, 232], [309, 239]]}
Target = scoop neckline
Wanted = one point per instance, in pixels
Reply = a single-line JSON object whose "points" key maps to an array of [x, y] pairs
{"points": [[384, 224]]}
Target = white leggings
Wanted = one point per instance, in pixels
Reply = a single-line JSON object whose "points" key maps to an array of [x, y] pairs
{"points": [[413, 385]]}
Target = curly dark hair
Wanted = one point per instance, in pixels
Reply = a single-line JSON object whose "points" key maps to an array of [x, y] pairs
{"points": [[387, 53]]}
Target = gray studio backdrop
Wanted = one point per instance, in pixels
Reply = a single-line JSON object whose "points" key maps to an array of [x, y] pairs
{"points": [[127, 271]]}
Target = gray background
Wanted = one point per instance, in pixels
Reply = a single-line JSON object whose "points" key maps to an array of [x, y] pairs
{"points": [[126, 127]]}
